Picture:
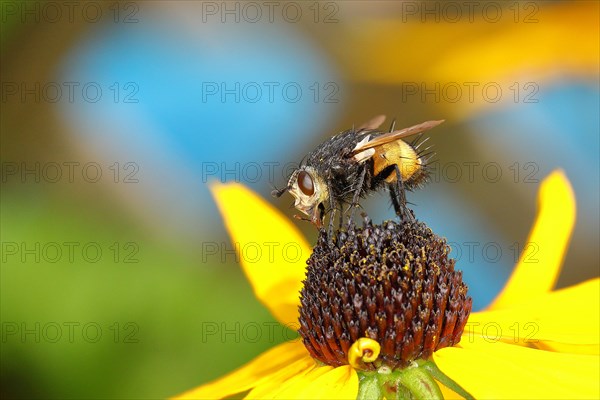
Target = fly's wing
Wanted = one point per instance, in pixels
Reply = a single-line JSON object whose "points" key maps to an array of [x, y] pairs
{"points": [[372, 124], [366, 147], [365, 128]]}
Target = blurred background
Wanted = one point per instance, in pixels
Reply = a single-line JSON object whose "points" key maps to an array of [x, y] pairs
{"points": [[118, 279]]}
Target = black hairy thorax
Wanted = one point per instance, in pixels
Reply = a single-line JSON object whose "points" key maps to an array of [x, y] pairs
{"points": [[333, 161]]}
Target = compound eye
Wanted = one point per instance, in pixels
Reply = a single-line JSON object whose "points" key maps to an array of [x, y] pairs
{"points": [[305, 183]]}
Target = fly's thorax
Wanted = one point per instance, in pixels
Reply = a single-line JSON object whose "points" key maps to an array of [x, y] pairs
{"points": [[397, 153], [308, 188]]}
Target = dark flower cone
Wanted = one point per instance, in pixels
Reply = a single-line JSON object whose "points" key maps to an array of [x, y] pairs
{"points": [[393, 283]]}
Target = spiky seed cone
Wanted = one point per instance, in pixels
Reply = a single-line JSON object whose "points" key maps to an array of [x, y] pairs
{"points": [[393, 283]]}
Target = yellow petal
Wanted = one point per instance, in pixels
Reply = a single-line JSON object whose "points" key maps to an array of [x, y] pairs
{"points": [[323, 382], [502, 371], [285, 361], [569, 347], [566, 320], [337, 383], [273, 253], [542, 256], [270, 388]]}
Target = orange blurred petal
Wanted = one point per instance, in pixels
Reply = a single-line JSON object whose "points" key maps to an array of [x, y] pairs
{"points": [[526, 44], [543, 254], [273, 253]]}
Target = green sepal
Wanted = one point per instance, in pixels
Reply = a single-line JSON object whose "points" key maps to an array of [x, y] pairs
{"points": [[433, 369], [419, 383], [369, 387]]}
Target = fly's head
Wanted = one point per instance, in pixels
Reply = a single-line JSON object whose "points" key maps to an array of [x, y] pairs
{"points": [[310, 191]]}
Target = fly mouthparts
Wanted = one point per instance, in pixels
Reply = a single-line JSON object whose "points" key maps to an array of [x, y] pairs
{"points": [[278, 192], [301, 218]]}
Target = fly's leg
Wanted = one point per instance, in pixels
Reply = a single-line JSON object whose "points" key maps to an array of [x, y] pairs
{"points": [[359, 186], [332, 216], [398, 195]]}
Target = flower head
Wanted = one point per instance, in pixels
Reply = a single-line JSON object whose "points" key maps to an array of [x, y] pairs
{"points": [[393, 283]]}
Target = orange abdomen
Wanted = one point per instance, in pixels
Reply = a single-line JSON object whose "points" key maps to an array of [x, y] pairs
{"points": [[400, 153]]}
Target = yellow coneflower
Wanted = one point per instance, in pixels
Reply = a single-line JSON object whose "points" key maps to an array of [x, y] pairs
{"points": [[544, 344]]}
